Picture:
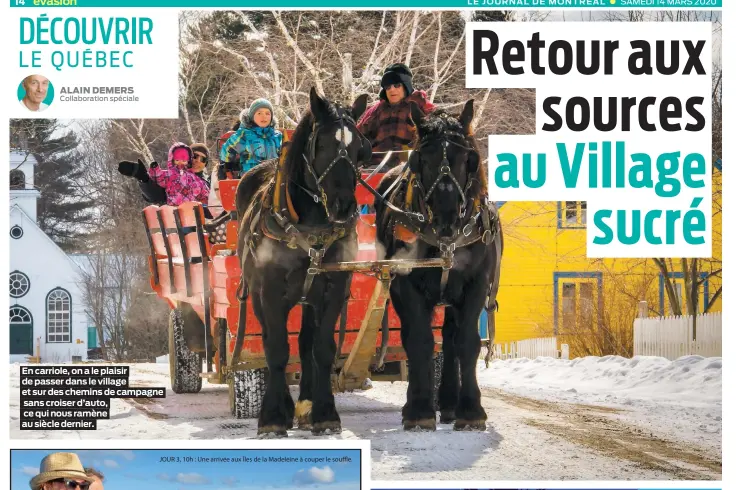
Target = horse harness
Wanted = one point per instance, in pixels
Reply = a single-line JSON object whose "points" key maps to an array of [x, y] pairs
{"points": [[482, 225], [278, 218]]}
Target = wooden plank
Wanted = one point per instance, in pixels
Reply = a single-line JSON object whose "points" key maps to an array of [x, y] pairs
{"points": [[404, 371], [356, 367]]}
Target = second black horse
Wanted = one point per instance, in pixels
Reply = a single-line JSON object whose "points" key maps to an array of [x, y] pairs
{"points": [[444, 192]]}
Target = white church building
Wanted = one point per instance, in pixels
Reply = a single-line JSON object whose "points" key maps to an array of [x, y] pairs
{"points": [[47, 311]]}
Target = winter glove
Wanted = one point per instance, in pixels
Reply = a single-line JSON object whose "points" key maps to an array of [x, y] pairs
{"points": [[134, 169], [235, 168], [127, 168], [221, 175], [231, 166], [153, 164]]}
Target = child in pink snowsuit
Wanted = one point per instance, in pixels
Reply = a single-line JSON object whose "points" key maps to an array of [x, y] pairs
{"points": [[180, 182]]}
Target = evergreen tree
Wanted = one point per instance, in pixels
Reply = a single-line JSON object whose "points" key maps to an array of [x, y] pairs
{"points": [[63, 209]]}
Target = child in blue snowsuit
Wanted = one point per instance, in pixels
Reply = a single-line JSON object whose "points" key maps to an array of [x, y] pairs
{"points": [[255, 141]]}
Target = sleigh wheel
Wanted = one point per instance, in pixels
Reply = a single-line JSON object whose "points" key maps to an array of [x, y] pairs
{"points": [[185, 366], [246, 390]]}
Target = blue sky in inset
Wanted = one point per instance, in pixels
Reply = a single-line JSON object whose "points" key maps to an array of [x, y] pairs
{"points": [[138, 469]]}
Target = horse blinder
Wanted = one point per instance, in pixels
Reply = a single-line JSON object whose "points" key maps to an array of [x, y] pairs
{"points": [[446, 171], [342, 154]]}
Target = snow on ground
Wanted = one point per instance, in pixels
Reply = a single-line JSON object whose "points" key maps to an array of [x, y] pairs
{"points": [[589, 418], [651, 378], [682, 397]]}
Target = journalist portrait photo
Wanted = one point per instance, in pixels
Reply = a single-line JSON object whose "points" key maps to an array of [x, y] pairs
{"points": [[35, 93]]}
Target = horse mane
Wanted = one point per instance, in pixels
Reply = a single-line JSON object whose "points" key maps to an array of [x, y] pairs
{"points": [[437, 122], [298, 145]]}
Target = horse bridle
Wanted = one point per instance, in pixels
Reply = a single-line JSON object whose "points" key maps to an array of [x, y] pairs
{"points": [[445, 171], [448, 245], [342, 154]]}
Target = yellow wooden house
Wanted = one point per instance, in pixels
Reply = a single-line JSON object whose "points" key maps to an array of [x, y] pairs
{"points": [[548, 286]]}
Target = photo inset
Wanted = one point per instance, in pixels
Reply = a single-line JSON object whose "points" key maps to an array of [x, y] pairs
{"points": [[205, 469]]}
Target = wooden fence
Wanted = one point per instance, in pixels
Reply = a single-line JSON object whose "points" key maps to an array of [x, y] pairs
{"points": [[672, 336]]}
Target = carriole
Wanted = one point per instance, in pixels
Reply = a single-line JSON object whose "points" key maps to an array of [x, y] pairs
{"points": [[201, 282]]}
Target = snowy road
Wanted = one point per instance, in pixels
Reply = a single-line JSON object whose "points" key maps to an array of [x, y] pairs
{"points": [[591, 419]]}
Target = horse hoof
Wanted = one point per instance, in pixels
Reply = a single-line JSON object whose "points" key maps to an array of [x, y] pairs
{"points": [[305, 424], [447, 416], [326, 428], [303, 415], [272, 431], [470, 425], [421, 425]]}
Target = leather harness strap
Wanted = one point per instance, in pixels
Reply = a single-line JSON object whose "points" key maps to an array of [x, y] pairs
{"points": [[491, 301], [481, 226], [280, 219], [281, 193]]}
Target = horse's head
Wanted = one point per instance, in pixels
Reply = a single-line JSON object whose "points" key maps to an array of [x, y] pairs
{"points": [[445, 162], [334, 155]]}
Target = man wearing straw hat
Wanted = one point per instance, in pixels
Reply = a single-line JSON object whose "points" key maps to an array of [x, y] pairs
{"points": [[61, 471]]}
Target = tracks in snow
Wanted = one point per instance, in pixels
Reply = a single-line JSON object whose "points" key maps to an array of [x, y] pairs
{"points": [[598, 428]]}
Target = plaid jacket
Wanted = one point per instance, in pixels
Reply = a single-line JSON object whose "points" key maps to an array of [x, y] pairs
{"points": [[389, 127]]}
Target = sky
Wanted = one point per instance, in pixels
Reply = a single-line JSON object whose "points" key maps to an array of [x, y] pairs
{"points": [[149, 469]]}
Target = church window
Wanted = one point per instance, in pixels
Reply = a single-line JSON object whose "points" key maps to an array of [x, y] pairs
{"points": [[17, 179], [58, 316], [19, 284]]}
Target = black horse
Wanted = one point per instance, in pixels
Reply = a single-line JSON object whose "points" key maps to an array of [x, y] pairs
{"points": [[443, 211], [294, 214]]}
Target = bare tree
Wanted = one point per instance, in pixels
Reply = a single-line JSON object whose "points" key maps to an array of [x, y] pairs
{"points": [[115, 273], [280, 55]]}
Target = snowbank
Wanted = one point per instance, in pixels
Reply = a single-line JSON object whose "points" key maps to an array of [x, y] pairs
{"points": [[689, 377]]}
